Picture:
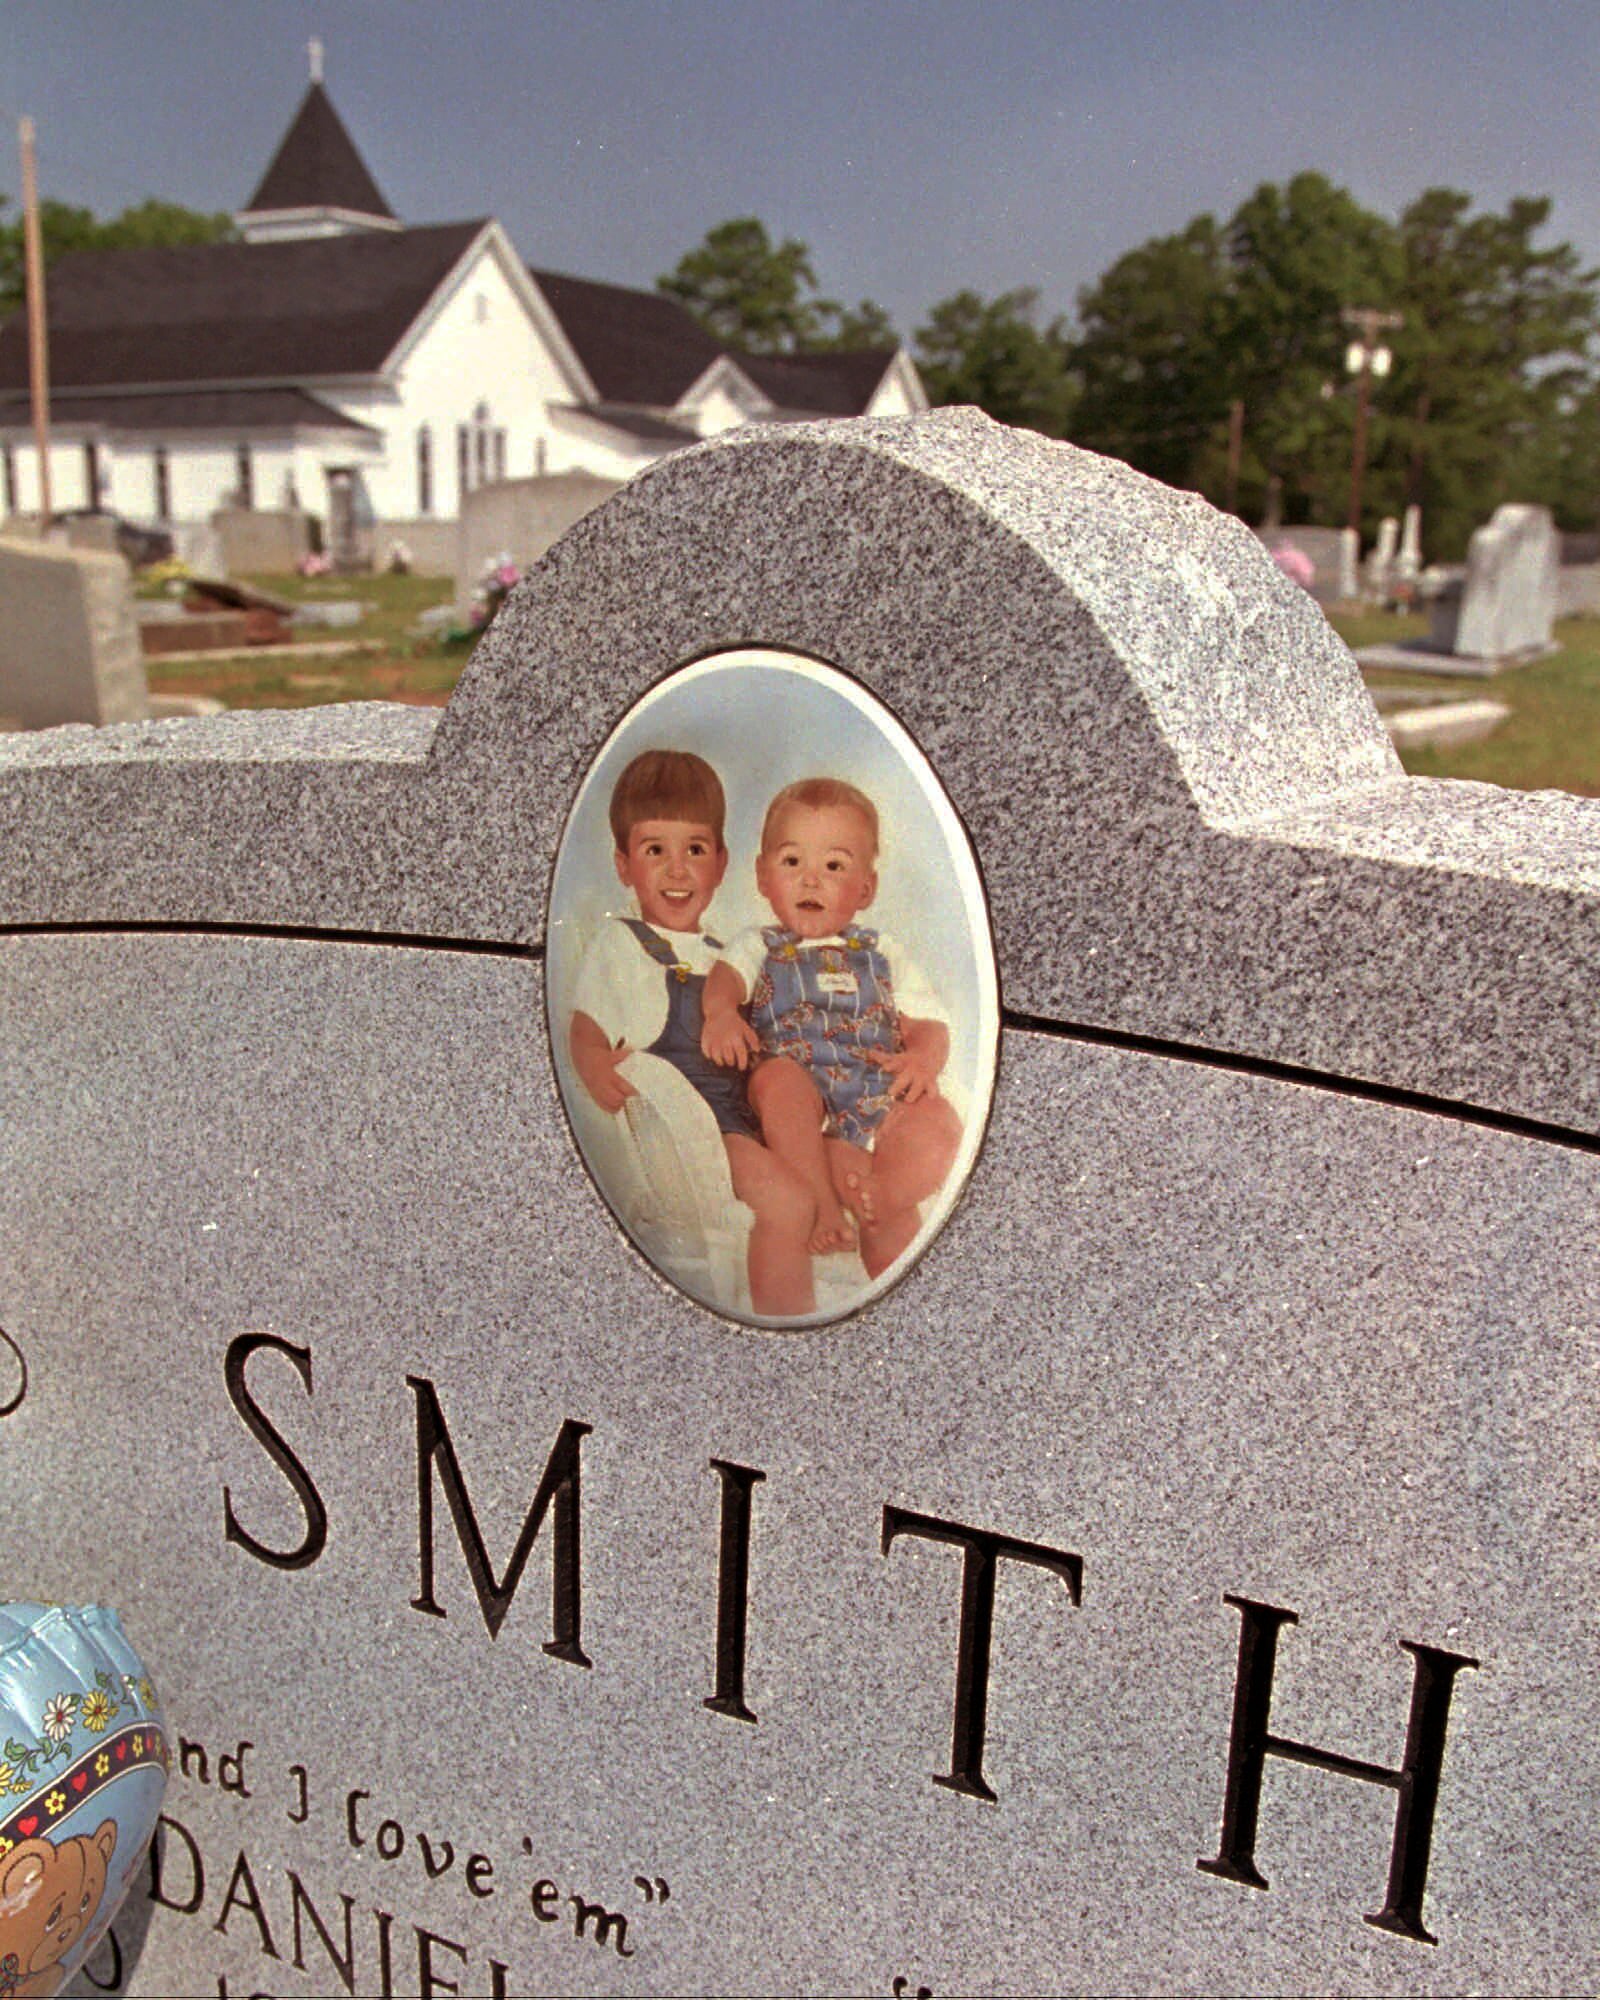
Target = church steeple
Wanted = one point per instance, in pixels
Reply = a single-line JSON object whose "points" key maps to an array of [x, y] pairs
{"points": [[317, 183]]}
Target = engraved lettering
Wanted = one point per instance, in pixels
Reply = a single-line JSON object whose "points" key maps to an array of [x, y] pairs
{"points": [[268, 1437], [385, 1922], [559, 1485], [343, 1963], [981, 1554], [230, 1770], [544, 1893], [243, 1894], [114, 1983], [606, 1921], [1415, 1783], [733, 1589], [429, 1981], [159, 1857]]}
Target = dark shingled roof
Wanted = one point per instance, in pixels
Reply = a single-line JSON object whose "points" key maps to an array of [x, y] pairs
{"points": [[229, 411], [232, 312], [639, 347], [836, 384], [317, 165], [636, 423]]}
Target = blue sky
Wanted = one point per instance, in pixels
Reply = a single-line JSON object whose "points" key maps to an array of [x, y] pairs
{"points": [[917, 148]]}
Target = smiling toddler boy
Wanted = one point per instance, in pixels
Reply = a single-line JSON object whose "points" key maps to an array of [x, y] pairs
{"points": [[844, 1039], [640, 987]]}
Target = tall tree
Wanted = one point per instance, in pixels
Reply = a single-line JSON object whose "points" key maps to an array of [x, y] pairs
{"points": [[1155, 390], [1492, 382], [1298, 255], [749, 291], [63, 227], [992, 352]]}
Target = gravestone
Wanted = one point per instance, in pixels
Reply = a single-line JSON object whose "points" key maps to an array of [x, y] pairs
{"points": [[1409, 562], [520, 518], [1381, 560], [69, 644], [1335, 555], [1506, 605], [1180, 1580]]}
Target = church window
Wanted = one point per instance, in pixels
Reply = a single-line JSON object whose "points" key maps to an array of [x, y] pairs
{"points": [[424, 470], [91, 473], [500, 454], [480, 307], [463, 460], [8, 465], [244, 476], [163, 473]]}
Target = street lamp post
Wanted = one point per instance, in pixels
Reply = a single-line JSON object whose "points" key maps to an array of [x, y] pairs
{"points": [[1364, 358]]}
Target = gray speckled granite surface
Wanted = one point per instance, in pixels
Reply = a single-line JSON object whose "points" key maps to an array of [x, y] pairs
{"points": [[1212, 1331], [1096, 665]]}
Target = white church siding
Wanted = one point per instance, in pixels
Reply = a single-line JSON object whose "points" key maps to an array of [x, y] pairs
{"points": [[473, 363]]}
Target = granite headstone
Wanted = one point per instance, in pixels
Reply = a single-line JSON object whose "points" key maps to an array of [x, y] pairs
{"points": [[69, 643], [1180, 1580]]}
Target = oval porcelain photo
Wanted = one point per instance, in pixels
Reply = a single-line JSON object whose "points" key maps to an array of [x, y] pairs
{"points": [[771, 987]]}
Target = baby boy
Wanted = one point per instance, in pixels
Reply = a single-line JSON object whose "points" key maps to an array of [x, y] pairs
{"points": [[640, 987], [844, 1041]]}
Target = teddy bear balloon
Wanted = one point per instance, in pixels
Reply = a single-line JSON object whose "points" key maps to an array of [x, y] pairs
{"points": [[83, 1767]]}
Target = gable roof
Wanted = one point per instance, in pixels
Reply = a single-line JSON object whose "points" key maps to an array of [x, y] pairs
{"points": [[225, 411], [317, 165], [837, 382], [638, 347], [236, 312], [638, 424]]}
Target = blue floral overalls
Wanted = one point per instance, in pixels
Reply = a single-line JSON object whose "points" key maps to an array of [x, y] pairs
{"points": [[830, 1008], [725, 1090]]}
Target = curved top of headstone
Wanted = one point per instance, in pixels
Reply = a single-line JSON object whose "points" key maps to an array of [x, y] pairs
{"points": [[956, 548], [1190, 821]]}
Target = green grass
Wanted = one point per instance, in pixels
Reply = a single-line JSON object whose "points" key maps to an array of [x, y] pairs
{"points": [[395, 663], [1550, 740]]}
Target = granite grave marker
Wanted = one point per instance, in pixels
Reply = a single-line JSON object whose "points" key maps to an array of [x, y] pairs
{"points": [[1180, 1579]]}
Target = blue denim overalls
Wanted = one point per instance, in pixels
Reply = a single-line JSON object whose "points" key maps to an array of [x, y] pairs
{"points": [[830, 1008], [725, 1090]]}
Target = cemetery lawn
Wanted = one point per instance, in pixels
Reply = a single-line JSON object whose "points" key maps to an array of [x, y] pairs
{"points": [[387, 660], [1550, 740]]}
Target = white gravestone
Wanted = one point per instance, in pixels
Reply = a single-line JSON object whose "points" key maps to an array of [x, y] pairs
{"points": [[1507, 602], [1180, 1580]]}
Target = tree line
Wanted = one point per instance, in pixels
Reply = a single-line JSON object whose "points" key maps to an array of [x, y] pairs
{"points": [[1213, 358], [1235, 332]]}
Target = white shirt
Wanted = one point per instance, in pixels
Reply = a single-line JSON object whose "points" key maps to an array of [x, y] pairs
{"points": [[622, 988]]}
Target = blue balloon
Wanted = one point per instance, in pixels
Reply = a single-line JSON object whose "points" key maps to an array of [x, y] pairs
{"points": [[83, 1770]]}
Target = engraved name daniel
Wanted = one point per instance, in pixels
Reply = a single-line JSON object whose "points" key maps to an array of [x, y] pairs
{"points": [[555, 1478]]}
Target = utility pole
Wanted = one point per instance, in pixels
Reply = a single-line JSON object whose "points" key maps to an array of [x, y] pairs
{"points": [[1235, 452], [38, 353], [1364, 358]]}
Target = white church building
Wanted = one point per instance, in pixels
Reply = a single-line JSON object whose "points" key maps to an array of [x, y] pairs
{"points": [[333, 355]]}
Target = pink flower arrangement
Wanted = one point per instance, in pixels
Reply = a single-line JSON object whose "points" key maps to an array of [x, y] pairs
{"points": [[1295, 564], [499, 577]]}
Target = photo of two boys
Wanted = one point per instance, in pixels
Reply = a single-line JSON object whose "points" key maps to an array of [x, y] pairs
{"points": [[802, 1020]]}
